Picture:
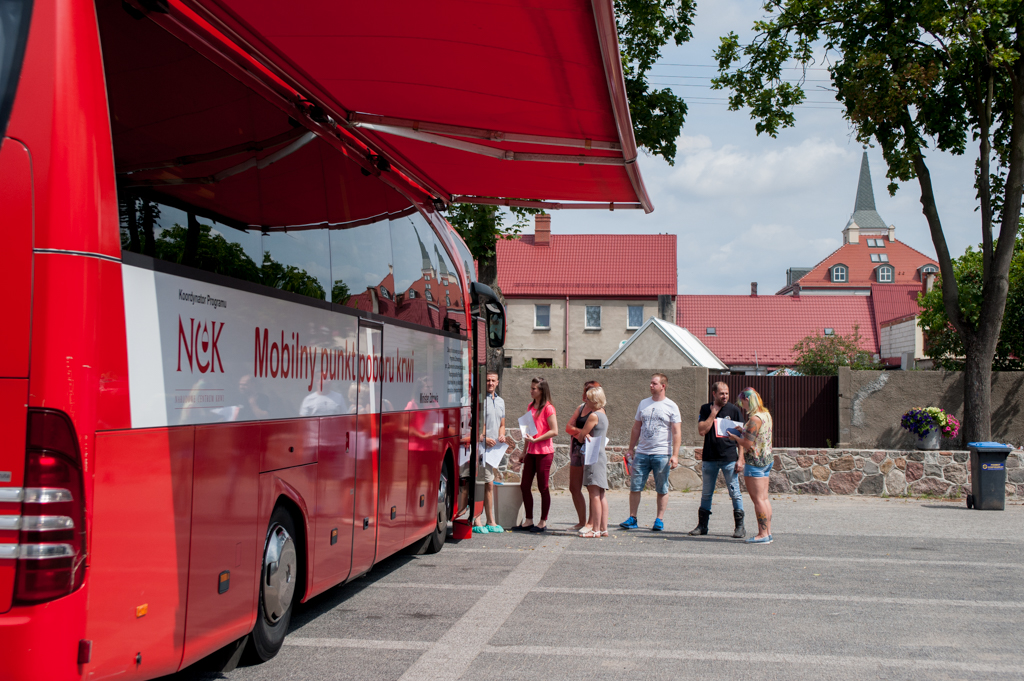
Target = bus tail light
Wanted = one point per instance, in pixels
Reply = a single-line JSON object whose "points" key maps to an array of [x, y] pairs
{"points": [[51, 540]]}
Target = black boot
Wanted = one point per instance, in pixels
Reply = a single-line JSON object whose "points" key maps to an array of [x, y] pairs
{"points": [[740, 531], [702, 522]]}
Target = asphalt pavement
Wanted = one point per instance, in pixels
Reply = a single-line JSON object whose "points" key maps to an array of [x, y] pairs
{"points": [[850, 588]]}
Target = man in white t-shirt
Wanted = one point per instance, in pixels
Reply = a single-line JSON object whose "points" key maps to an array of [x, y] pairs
{"points": [[655, 440]]}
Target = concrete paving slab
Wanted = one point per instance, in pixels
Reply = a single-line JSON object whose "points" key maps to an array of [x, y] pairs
{"points": [[851, 588]]}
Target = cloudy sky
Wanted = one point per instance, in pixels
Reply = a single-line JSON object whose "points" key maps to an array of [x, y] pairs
{"points": [[745, 208]]}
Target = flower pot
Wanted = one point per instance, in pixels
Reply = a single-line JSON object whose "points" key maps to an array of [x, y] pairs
{"points": [[931, 441]]}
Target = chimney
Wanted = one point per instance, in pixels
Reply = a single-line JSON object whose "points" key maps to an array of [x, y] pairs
{"points": [[929, 281], [753, 289], [542, 229], [796, 291]]}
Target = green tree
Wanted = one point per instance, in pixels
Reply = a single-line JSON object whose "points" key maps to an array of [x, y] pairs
{"points": [[340, 293], [290, 278], [943, 343], [819, 355], [912, 76]]}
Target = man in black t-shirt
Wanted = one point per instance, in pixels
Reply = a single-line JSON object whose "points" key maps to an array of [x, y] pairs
{"points": [[719, 455]]}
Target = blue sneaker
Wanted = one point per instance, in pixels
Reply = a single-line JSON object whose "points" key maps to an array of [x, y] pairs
{"points": [[658, 525], [629, 524], [762, 540]]}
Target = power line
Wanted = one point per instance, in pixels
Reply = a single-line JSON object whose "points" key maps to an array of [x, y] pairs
{"points": [[715, 66]]}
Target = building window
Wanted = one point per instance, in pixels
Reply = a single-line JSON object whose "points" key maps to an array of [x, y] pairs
{"points": [[593, 317], [508, 362], [879, 257], [542, 316], [634, 316], [592, 363], [876, 243], [543, 361], [410, 294], [710, 331], [884, 274], [839, 274], [829, 331], [929, 268]]}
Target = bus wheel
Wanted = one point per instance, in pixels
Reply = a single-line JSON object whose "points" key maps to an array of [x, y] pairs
{"points": [[435, 540], [277, 586]]}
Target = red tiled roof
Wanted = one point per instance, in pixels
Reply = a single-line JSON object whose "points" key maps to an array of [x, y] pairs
{"points": [[894, 301], [861, 273], [772, 325], [589, 265]]}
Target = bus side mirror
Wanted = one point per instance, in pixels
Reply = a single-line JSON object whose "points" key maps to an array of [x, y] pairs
{"points": [[483, 296], [495, 325]]}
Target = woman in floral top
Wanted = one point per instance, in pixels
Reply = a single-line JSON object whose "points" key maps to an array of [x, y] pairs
{"points": [[756, 459]]}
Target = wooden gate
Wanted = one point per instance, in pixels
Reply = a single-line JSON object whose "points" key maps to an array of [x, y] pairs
{"points": [[805, 409]]}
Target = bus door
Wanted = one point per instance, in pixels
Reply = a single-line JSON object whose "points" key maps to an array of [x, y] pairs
{"points": [[368, 430]]}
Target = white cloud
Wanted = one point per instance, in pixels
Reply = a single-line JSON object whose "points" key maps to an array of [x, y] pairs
{"points": [[704, 171]]}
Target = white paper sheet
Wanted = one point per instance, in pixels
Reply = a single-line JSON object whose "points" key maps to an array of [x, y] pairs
{"points": [[723, 426], [527, 425], [493, 455], [591, 452], [464, 453]]}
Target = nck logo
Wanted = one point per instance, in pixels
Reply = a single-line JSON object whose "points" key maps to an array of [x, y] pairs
{"points": [[200, 345]]}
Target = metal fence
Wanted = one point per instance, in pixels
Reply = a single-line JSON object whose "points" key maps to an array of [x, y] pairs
{"points": [[805, 409]]}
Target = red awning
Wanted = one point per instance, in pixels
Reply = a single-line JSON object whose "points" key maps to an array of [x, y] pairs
{"points": [[475, 102]]}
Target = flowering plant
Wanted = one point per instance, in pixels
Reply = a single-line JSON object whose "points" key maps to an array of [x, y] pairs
{"points": [[921, 420]]}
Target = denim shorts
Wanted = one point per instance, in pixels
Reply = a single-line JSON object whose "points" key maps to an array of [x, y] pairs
{"points": [[642, 466], [755, 472]]}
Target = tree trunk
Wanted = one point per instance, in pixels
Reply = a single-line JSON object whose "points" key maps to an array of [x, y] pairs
{"points": [[977, 423], [148, 219], [190, 256]]}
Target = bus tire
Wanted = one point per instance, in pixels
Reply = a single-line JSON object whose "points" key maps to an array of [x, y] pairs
{"points": [[434, 541], [279, 576]]}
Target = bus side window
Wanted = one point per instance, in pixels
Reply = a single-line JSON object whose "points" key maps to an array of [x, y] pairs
{"points": [[449, 296], [169, 233], [361, 268], [416, 270], [298, 261]]}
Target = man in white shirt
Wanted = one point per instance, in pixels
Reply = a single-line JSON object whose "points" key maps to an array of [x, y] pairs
{"points": [[657, 433], [493, 434]]}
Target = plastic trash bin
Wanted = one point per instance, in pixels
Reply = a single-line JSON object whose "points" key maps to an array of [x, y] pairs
{"points": [[988, 475]]}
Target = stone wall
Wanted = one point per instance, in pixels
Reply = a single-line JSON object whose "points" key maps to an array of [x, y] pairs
{"points": [[871, 404], [865, 472]]}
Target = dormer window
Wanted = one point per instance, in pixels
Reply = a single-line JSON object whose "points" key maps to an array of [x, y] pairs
{"points": [[879, 257], [839, 274], [929, 268], [884, 274]]}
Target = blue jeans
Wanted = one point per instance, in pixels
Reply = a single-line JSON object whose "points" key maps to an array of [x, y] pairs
{"points": [[642, 466], [732, 481]]}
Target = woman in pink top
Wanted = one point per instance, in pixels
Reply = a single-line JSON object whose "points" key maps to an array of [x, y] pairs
{"points": [[540, 453]]}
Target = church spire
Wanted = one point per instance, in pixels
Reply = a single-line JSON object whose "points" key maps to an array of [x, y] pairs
{"points": [[865, 219], [865, 195]]}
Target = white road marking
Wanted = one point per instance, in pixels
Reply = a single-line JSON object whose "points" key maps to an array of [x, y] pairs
{"points": [[356, 643], [642, 654], [431, 585], [753, 596], [762, 556], [454, 652], [811, 661]]}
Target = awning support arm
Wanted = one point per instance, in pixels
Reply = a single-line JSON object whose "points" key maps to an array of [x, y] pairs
{"points": [[248, 164], [251, 147], [481, 133], [492, 152], [548, 205]]}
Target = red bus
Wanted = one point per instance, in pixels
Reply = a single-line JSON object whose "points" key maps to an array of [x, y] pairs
{"points": [[242, 349], [237, 351]]}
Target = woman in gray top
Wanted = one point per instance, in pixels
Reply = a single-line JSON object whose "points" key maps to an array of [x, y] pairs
{"points": [[595, 475]]}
